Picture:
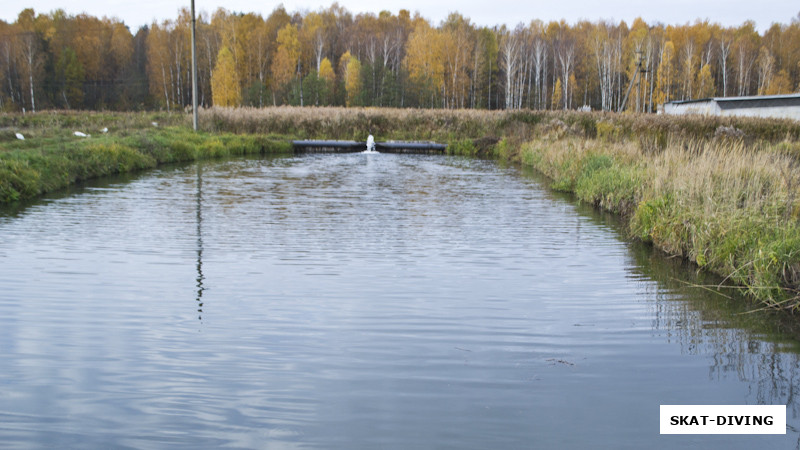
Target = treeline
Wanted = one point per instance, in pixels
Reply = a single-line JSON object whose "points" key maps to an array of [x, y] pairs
{"points": [[332, 57]]}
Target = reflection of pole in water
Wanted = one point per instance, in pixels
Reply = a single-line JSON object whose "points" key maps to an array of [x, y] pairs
{"points": [[200, 276]]}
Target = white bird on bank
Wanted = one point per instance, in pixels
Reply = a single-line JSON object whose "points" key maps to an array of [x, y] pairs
{"points": [[155, 124], [104, 130], [80, 134], [20, 136]]}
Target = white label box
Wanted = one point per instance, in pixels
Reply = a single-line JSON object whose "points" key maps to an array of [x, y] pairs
{"points": [[723, 419]]}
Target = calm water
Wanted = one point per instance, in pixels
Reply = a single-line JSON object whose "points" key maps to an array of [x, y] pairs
{"points": [[360, 301]]}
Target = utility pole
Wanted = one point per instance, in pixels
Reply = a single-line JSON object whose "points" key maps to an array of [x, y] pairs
{"points": [[639, 69], [194, 72]]}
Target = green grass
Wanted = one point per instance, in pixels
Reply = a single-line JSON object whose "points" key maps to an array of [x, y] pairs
{"points": [[51, 157]]}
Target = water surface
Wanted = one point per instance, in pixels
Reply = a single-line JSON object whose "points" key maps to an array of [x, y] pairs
{"points": [[360, 301]]}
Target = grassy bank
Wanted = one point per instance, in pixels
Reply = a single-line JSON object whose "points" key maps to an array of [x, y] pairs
{"points": [[727, 207], [721, 192], [52, 157]]}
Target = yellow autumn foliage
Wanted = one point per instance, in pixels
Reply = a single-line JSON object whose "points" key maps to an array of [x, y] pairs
{"points": [[225, 88]]}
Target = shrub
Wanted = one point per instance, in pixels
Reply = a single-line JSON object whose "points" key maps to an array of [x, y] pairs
{"points": [[607, 131], [17, 181], [463, 147]]}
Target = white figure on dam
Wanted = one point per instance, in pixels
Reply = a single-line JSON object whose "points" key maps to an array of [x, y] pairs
{"points": [[370, 144]]}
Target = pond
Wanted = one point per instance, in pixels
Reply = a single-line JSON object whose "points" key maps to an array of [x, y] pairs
{"points": [[362, 301]]}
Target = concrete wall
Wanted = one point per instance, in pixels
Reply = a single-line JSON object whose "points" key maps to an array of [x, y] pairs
{"points": [[782, 112], [708, 108], [711, 107]]}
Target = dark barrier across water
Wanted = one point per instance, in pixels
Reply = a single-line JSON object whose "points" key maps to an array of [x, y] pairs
{"points": [[356, 146]]}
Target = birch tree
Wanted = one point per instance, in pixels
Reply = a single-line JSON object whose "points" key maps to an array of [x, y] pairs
{"points": [[510, 61], [30, 57], [565, 52], [765, 64], [745, 53], [425, 63], [724, 42], [456, 44], [665, 74], [285, 66], [225, 87], [607, 54]]}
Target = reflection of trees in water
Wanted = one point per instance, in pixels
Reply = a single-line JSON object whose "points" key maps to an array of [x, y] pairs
{"points": [[759, 348], [772, 374]]}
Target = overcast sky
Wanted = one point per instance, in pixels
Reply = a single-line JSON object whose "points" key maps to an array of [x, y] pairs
{"points": [[482, 12]]}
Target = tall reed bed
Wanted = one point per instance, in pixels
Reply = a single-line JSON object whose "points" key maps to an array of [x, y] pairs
{"points": [[730, 207], [652, 131], [353, 123]]}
